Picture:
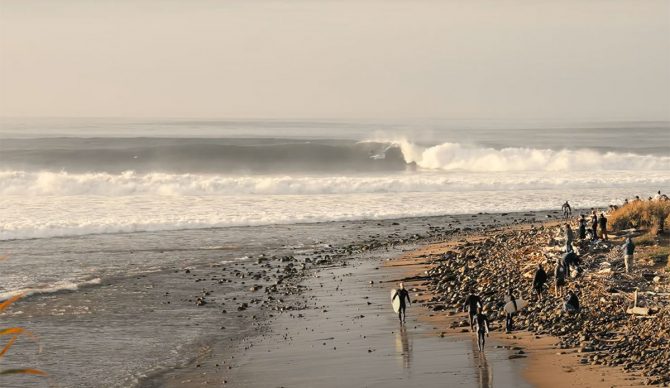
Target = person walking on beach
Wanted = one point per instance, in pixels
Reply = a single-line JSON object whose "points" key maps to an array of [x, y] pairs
{"points": [[594, 226], [567, 210], [472, 305], [539, 280], [628, 251], [402, 294], [571, 305], [559, 278], [509, 317], [482, 327], [569, 235], [602, 221], [582, 227]]}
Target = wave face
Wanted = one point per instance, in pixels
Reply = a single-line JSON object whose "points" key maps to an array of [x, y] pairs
{"points": [[220, 156], [275, 156]]}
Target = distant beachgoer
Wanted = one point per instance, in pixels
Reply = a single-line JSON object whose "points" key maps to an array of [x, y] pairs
{"points": [[569, 235], [539, 280], [628, 251], [402, 294], [582, 227], [567, 210], [482, 327], [602, 221], [559, 277], [657, 197], [637, 198], [594, 226], [472, 305], [625, 202], [509, 317], [571, 305]]}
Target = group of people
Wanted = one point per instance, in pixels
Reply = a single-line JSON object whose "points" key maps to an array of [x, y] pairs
{"points": [[569, 261]]}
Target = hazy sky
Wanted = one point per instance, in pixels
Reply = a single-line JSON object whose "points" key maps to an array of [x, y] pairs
{"points": [[572, 60]]}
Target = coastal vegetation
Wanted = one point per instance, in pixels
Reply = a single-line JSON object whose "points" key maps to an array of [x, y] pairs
{"points": [[13, 333]]}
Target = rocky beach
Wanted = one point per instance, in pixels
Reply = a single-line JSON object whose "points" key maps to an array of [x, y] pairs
{"points": [[605, 333]]}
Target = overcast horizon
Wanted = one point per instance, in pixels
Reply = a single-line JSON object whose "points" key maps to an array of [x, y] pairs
{"points": [[572, 61]]}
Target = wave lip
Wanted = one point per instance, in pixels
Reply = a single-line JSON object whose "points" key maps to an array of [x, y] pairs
{"points": [[463, 157]]}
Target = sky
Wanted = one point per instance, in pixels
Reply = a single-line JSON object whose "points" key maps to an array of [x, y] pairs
{"points": [[345, 59]]}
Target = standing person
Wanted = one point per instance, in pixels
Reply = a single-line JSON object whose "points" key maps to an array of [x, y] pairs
{"points": [[628, 251], [482, 326], [472, 305], [559, 277], [402, 294], [567, 210], [594, 226], [582, 227], [602, 221], [509, 317], [539, 280], [569, 235]]}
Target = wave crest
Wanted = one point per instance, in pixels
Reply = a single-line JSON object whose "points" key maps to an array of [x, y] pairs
{"points": [[462, 157]]}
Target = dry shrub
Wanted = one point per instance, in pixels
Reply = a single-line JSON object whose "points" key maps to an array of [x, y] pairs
{"points": [[652, 215], [13, 333]]}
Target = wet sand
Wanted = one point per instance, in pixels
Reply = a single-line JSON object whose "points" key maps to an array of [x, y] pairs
{"points": [[353, 338]]}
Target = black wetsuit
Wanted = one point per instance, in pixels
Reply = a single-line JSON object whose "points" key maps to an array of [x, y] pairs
{"points": [[582, 228], [573, 302], [539, 280], [602, 221], [594, 227], [569, 259], [402, 294], [472, 303], [509, 318], [482, 323]]}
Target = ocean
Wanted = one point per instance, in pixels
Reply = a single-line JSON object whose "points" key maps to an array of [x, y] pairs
{"points": [[91, 206]]}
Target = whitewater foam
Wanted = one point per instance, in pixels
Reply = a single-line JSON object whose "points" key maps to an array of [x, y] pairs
{"points": [[463, 157], [63, 285], [27, 184]]}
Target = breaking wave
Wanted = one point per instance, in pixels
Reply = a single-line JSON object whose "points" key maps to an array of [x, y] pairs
{"points": [[462, 157], [24, 183]]}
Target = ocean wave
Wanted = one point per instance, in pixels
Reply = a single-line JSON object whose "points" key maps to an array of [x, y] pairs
{"points": [[60, 286], [464, 157], [129, 183]]}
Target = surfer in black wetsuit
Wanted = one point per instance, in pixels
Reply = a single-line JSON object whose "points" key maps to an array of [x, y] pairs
{"points": [[482, 326], [472, 305], [402, 293], [509, 317], [539, 280]]}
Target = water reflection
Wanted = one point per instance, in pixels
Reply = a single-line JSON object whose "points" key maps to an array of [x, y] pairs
{"points": [[485, 374], [403, 346]]}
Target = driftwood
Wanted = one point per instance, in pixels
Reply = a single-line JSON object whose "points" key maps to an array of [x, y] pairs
{"points": [[638, 311]]}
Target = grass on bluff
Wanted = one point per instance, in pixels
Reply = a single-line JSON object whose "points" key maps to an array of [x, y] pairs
{"points": [[13, 333], [653, 216]]}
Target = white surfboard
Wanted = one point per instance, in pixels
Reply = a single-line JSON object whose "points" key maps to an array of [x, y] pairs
{"points": [[520, 304], [395, 302]]}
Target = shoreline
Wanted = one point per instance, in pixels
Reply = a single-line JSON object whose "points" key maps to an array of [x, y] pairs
{"points": [[213, 368], [543, 364]]}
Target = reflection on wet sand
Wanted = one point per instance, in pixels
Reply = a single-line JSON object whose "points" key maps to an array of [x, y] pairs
{"points": [[485, 375], [403, 346]]}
